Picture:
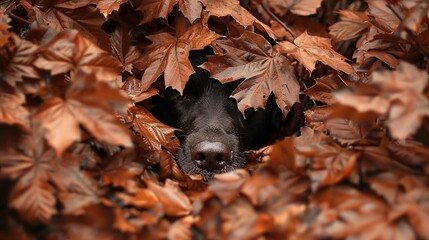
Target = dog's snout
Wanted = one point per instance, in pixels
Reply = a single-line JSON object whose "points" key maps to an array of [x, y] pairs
{"points": [[210, 155]]}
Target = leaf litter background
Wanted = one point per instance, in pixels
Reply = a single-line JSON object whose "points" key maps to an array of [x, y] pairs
{"points": [[81, 157]]}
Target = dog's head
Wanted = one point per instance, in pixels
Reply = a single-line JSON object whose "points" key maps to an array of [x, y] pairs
{"points": [[213, 129]]}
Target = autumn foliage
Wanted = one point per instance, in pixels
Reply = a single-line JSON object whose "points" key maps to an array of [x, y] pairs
{"points": [[82, 157]]}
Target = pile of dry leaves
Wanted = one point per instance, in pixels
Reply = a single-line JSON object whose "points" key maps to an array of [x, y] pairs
{"points": [[81, 157]]}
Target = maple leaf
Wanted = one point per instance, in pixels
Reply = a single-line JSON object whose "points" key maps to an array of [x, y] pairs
{"points": [[170, 54], [69, 50], [156, 133], [298, 7], [108, 6], [82, 16], [17, 60], [264, 69], [309, 49], [396, 93], [222, 8], [12, 111], [87, 103], [122, 50], [352, 25]]}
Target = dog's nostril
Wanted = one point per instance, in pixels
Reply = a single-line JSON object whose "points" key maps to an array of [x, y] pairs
{"points": [[210, 155]]}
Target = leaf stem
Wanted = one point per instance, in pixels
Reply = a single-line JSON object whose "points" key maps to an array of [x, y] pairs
{"points": [[13, 15], [266, 9]]}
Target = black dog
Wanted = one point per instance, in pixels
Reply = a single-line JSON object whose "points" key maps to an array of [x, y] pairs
{"points": [[215, 131]]}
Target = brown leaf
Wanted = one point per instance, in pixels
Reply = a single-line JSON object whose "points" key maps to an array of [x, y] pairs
{"points": [[155, 132], [385, 18], [298, 7], [121, 171], [350, 132], [155, 9], [182, 228], [191, 9], [169, 54], [259, 188], [376, 44], [169, 167], [77, 189], [315, 118], [327, 163], [347, 212], [241, 221], [175, 202], [323, 89], [309, 49], [122, 50], [32, 195], [227, 186], [352, 25], [142, 198], [12, 111], [69, 50], [252, 57], [63, 14], [396, 93]]}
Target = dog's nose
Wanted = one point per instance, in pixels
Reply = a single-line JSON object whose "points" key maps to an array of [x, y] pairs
{"points": [[210, 155]]}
